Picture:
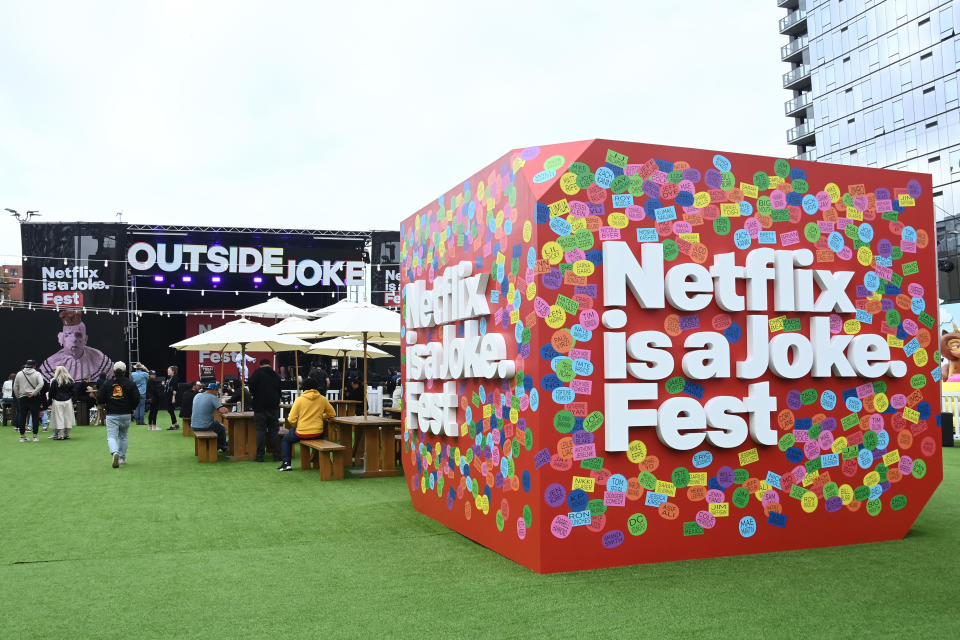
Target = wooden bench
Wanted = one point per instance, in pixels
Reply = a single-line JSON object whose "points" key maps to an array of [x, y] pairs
{"points": [[314, 454], [205, 446], [185, 427]]}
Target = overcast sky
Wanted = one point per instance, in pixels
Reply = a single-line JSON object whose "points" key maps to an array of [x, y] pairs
{"points": [[352, 115]]}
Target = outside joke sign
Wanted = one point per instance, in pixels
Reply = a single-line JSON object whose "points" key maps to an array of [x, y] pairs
{"points": [[618, 353]]}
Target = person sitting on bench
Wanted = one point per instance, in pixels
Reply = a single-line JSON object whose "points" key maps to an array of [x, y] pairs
{"points": [[204, 406], [306, 419]]}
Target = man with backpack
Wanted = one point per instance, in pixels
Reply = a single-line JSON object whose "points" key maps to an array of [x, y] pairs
{"points": [[120, 398], [28, 389]]}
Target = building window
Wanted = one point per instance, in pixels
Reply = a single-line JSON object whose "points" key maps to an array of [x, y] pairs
{"points": [[925, 36], [830, 78], [926, 66], [901, 9], [834, 137], [905, 75], [911, 141], [893, 47], [873, 56], [878, 120], [929, 101], [950, 91], [825, 17], [946, 23], [866, 91], [862, 29], [898, 111], [955, 161]]}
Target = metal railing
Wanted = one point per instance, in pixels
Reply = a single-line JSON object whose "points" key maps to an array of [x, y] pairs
{"points": [[810, 155], [791, 19], [795, 75], [799, 132], [795, 45], [801, 101]]}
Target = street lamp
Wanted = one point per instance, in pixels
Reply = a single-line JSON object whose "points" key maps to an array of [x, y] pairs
{"points": [[21, 218]]}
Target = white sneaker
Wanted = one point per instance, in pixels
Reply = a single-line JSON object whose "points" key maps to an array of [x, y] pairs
{"points": [[116, 460], [36, 439], [22, 439], [123, 461], [46, 429]]}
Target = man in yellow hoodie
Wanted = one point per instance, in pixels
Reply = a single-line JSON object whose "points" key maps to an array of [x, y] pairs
{"points": [[306, 419]]}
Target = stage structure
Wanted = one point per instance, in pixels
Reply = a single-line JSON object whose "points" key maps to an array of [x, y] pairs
{"points": [[620, 353], [123, 287]]}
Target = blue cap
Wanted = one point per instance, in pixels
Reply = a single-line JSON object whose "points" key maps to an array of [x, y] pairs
{"points": [[213, 385]]}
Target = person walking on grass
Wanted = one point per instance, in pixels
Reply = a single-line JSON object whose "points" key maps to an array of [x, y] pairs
{"points": [[265, 387], [205, 405], [139, 377], [154, 393], [171, 386], [27, 389], [120, 398], [306, 419], [62, 392]]}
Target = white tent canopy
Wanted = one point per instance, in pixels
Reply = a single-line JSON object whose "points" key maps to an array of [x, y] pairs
{"points": [[345, 347], [370, 322], [336, 307], [274, 308], [241, 334], [300, 327]]}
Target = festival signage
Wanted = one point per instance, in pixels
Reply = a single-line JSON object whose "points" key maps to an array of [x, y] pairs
{"points": [[216, 364], [234, 260], [385, 270], [618, 353], [73, 264]]}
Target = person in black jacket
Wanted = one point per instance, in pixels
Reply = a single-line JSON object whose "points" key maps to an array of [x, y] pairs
{"points": [[154, 393], [120, 398], [172, 383], [186, 409], [354, 391], [265, 387]]}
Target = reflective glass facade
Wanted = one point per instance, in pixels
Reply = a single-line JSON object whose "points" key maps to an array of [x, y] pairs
{"points": [[875, 83]]}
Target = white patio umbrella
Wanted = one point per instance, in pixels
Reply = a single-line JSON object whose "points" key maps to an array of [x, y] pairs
{"points": [[345, 348], [370, 322], [336, 307], [241, 334], [277, 308], [274, 308]]}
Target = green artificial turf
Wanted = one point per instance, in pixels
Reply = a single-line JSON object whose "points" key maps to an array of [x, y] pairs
{"points": [[167, 547]]}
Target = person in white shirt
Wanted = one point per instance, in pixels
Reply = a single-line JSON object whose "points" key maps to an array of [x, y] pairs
{"points": [[8, 400]]}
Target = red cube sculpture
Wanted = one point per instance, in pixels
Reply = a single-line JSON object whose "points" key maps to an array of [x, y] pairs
{"points": [[618, 353]]}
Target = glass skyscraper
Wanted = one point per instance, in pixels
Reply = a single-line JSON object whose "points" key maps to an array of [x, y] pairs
{"points": [[875, 83]]}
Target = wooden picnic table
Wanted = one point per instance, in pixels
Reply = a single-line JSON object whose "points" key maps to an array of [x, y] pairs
{"points": [[241, 435], [378, 441]]}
